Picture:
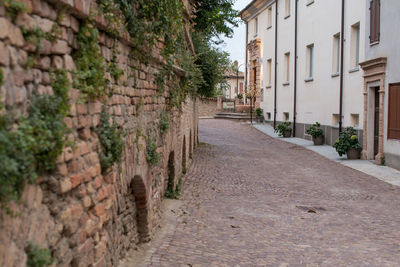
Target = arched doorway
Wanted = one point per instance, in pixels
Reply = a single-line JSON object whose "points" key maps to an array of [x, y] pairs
{"points": [[184, 155], [139, 191], [190, 145], [171, 172]]}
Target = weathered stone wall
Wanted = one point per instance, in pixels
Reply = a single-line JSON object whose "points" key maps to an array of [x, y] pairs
{"points": [[83, 217], [207, 107]]}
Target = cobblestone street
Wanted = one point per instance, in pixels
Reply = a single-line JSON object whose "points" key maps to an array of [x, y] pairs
{"points": [[251, 200]]}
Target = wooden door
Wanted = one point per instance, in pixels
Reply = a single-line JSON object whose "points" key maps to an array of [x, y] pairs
{"points": [[376, 122]]}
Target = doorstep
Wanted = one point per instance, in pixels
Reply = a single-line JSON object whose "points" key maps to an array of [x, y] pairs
{"points": [[384, 173]]}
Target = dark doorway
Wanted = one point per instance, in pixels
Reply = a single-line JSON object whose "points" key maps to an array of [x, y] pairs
{"points": [[184, 155], [139, 192], [376, 122], [171, 172]]}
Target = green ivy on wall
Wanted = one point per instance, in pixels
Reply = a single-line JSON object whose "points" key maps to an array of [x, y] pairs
{"points": [[90, 74], [111, 142], [30, 145]]}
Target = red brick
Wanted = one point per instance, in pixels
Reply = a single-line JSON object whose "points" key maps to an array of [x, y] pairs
{"points": [[97, 182], [76, 180]]}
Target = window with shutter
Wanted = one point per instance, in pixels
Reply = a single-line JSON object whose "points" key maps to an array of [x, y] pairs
{"points": [[394, 112], [374, 10]]}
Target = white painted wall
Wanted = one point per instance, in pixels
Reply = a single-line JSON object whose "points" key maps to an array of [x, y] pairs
{"points": [[387, 47], [318, 22]]}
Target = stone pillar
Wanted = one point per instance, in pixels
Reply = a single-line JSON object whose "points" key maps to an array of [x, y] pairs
{"points": [[364, 154]]}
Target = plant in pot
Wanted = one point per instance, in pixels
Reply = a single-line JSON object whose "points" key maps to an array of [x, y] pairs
{"points": [[284, 129], [348, 144], [317, 134], [240, 96], [259, 115]]}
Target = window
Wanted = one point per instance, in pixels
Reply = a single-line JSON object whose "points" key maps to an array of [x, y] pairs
{"points": [[355, 120], [375, 16], [269, 116], [286, 116], [355, 46], [335, 119], [262, 95], [269, 18], [310, 62], [336, 54], [394, 112], [287, 8], [255, 27], [269, 71], [286, 72]]}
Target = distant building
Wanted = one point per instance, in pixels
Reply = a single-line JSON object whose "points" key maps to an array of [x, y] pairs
{"points": [[300, 72], [234, 82]]}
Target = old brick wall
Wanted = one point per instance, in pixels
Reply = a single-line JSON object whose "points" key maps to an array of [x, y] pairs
{"points": [[83, 217], [207, 107]]}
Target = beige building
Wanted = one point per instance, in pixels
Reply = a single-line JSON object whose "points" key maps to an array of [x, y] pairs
{"points": [[234, 82], [304, 72]]}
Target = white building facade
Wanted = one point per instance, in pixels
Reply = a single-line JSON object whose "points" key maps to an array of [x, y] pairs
{"points": [[382, 82], [326, 83]]}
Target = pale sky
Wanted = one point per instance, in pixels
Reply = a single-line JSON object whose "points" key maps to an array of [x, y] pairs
{"points": [[236, 45]]}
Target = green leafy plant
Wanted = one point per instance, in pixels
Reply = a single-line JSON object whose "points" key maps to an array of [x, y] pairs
{"points": [[282, 128], [347, 139], [1, 77], [110, 138], [14, 8], [90, 74], [315, 130], [164, 123], [170, 192], [259, 112], [31, 144], [38, 257], [152, 155], [240, 96]]}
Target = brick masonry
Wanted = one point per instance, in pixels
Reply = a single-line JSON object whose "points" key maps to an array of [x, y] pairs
{"points": [[207, 107], [83, 217]]}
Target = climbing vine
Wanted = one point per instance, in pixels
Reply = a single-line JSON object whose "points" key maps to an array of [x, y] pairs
{"points": [[38, 257], [164, 123], [90, 74], [14, 8], [111, 142], [30, 145], [152, 155]]}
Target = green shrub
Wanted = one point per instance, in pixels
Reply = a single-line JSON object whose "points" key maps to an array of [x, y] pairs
{"points": [[240, 96], [170, 192], [259, 112], [38, 257], [347, 139], [164, 123], [315, 130], [282, 128], [111, 142], [152, 156]]}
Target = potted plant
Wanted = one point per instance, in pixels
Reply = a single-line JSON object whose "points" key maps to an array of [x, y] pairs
{"points": [[347, 143], [259, 115], [240, 96], [317, 134], [284, 129]]}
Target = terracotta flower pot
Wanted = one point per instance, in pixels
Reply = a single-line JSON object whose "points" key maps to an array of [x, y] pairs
{"points": [[319, 140], [287, 134], [353, 153]]}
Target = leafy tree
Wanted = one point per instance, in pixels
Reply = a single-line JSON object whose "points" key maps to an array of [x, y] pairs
{"points": [[213, 19], [216, 17]]}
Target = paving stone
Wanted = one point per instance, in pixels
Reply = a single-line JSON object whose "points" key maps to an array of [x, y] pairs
{"points": [[252, 200]]}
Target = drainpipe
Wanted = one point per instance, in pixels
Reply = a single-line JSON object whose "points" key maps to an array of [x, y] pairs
{"points": [[245, 64], [276, 57], [341, 70], [295, 70]]}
